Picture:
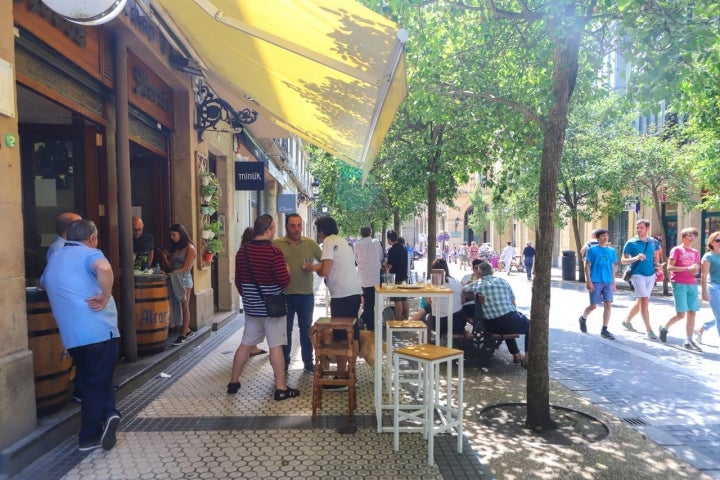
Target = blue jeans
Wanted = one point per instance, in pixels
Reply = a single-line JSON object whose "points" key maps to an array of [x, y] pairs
{"points": [[713, 290], [303, 305], [95, 365], [528, 266]]}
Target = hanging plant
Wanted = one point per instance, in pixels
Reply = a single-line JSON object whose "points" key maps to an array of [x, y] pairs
{"points": [[214, 246]]}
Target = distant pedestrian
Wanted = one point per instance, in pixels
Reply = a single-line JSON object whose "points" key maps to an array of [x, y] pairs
{"points": [[463, 253], [683, 264], [397, 263], [600, 263], [78, 281], [508, 254], [592, 241], [710, 279], [642, 253], [474, 251], [368, 257], [528, 259]]}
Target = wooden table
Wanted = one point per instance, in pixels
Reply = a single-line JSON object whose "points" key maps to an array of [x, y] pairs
{"points": [[381, 293]]}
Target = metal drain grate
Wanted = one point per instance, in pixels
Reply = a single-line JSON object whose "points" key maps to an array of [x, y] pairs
{"points": [[635, 421]]}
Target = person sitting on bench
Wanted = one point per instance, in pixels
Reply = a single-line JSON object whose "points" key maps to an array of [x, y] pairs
{"points": [[440, 305], [498, 309]]}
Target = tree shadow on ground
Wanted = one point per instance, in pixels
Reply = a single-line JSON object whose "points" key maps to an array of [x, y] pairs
{"points": [[573, 427]]}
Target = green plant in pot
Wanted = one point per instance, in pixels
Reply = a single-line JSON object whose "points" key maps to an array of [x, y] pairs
{"points": [[210, 191], [212, 247], [211, 230]]}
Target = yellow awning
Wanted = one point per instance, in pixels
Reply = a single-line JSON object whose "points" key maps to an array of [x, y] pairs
{"points": [[330, 71]]}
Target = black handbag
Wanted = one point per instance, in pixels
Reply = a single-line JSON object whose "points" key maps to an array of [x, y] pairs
{"points": [[276, 303]]}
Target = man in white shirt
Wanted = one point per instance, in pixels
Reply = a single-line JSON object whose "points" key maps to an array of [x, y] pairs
{"points": [[368, 257], [338, 268], [508, 254]]}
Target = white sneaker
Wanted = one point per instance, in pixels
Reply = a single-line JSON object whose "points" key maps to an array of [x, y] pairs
{"points": [[698, 336]]}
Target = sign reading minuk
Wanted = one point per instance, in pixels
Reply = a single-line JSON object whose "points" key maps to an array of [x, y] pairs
{"points": [[249, 176]]}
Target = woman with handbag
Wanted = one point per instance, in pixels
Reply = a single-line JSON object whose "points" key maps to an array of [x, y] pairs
{"points": [[261, 274]]}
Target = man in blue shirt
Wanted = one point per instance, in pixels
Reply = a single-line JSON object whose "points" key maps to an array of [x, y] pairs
{"points": [[498, 309], [600, 263], [642, 253], [78, 281]]}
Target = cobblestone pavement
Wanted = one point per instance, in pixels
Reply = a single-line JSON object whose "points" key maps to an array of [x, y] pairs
{"points": [[659, 401]]}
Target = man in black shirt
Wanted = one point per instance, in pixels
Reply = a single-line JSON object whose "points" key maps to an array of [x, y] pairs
{"points": [[397, 263], [143, 245]]}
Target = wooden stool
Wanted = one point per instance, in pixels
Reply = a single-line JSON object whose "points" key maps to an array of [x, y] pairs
{"points": [[398, 326], [326, 347], [430, 358]]}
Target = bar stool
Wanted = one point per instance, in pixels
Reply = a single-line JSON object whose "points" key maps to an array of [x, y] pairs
{"points": [[400, 326], [326, 347], [430, 358]]}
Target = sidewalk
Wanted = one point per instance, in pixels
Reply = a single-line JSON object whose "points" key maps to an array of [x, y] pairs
{"points": [[186, 426]]}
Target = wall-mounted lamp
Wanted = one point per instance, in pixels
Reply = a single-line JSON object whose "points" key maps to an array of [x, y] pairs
{"points": [[457, 223], [212, 109], [324, 209], [87, 13], [315, 186]]}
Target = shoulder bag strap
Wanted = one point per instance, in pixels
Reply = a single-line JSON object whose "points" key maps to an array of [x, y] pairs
{"points": [[252, 276], [644, 250]]}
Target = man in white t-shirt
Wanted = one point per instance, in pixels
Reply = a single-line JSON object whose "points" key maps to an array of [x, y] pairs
{"points": [[368, 257], [337, 266]]}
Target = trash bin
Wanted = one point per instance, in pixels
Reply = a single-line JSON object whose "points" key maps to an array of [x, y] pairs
{"points": [[568, 265]]}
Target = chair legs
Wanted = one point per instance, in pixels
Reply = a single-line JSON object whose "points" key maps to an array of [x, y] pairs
{"points": [[325, 348], [430, 360]]}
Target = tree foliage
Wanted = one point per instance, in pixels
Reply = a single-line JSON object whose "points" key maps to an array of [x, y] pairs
{"points": [[508, 70]]}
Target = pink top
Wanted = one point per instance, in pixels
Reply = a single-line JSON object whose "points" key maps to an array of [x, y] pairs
{"points": [[684, 257]]}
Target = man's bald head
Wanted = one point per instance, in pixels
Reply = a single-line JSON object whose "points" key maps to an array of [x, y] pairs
{"points": [[63, 221], [137, 226]]}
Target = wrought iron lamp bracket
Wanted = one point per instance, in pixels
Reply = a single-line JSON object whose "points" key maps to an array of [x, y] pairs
{"points": [[212, 109]]}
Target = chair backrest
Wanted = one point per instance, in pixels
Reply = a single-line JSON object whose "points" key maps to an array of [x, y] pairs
{"points": [[322, 340], [479, 317]]}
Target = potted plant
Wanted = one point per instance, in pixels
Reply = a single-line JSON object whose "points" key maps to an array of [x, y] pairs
{"points": [[212, 247], [211, 230]]}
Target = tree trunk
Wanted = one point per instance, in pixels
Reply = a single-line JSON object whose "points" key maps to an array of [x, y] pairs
{"points": [[578, 246], [538, 380], [432, 222]]}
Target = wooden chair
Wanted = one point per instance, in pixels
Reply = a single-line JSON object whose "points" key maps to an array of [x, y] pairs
{"points": [[326, 348]]}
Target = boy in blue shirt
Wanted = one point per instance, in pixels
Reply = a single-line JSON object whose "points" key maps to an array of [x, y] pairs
{"points": [[600, 263]]}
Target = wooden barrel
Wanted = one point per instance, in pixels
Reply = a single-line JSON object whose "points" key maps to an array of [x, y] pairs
{"points": [[152, 313], [51, 362]]}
